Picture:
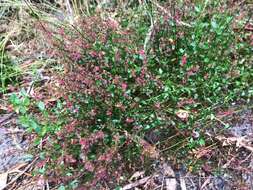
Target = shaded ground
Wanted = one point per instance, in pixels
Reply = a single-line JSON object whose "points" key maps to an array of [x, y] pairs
{"points": [[235, 166], [236, 163], [12, 144], [229, 168]]}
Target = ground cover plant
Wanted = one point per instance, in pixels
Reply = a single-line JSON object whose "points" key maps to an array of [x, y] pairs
{"points": [[134, 83]]}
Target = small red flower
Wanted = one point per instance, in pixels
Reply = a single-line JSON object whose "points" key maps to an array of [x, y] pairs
{"points": [[109, 113], [70, 128], [129, 120], [206, 76], [99, 135], [76, 56], [183, 60], [93, 112], [70, 159], [96, 68], [124, 86], [93, 54], [89, 166], [142, 53], [113, 24], [84, 143], [157, 105]]}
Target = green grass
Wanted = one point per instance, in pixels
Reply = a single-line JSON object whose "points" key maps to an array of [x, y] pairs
{"points": [[9, 71]]}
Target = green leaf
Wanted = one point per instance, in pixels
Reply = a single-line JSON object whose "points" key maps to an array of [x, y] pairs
{"points": [[74, 184], [14, 99], [227, 126], [21, 109], [28, 157], [197, 9], [214, 24], [62, 187], [212, 117], [23, 92], [202, 142], [160, 71], [35, 126], [41, 106], [42, 170], [26, 101]]}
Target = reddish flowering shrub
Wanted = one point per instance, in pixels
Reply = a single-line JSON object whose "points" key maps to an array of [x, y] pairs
{"points": [[184, 60], [106, 76], [113, 91]]}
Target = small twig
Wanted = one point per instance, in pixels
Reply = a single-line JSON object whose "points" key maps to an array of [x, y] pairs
{"points": [[137, 183], [13, 132], [174, 145], [162, 183], [165, 11], [6, 118], [205, 183], [21, 173], [244, 160], [47, 185]]}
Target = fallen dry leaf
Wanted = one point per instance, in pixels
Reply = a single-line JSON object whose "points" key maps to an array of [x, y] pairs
{"points": [[167, 170], [170, 184], [17, 167], [136, 175], [3, 180], [148, 149], [201, 152], [182, 114], [238, 141]]}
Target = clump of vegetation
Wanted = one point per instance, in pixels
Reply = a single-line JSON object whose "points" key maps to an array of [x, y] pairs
{"points": [[150, 68], [9, 71]]}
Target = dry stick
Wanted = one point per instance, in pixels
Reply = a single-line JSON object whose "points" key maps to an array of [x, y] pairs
{"points": [[20, 174], [150, 32], [137, 183], [25, 186], [182, 184], [162, 183], [13, 132], [167, 148], [244, 160], [165, 11], [6, 118], [148, 36], [205, 183], [169, 138]]}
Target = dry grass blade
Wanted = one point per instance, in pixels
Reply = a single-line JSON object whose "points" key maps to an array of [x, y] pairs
{"points": [[17, 168], [205, 183], [239, 141], [21, 173]]}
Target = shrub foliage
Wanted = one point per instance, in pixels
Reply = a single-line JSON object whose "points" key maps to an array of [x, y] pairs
{"points": [[123, 77]]}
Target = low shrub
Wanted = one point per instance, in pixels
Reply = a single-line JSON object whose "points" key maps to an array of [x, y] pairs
{"points": [[124, 78]]}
